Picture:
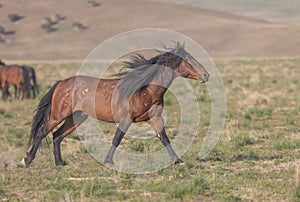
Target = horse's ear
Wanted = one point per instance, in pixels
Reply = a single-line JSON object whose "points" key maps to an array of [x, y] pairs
{"points": [[183, 44], [178, 46]]}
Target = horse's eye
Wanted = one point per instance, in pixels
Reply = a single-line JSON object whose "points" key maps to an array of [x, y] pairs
{"points": [[188, 63]]}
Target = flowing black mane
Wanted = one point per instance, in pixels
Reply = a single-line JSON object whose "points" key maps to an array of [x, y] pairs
{"points": [[143, 71]]}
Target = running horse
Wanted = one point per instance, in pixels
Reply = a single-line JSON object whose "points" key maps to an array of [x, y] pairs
{"points": [[133, 96]]}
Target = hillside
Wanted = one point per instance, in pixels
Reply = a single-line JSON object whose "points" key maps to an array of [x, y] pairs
{"points": [[221, 34], [275, 10]]}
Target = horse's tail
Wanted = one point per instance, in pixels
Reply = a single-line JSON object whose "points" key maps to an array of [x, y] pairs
{"points": [[36, 87], [26, 83], [42, 114]]}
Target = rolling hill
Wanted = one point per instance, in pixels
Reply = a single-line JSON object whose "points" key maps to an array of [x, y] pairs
{"points": [[81, 27]]}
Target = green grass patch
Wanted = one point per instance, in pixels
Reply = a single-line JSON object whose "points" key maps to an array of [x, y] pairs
{"points": [[260, 113], [137, 147], [241, 139], [232, 198]]}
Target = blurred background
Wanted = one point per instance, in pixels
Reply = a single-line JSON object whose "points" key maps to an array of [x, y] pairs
{"points": [[70, 29]]}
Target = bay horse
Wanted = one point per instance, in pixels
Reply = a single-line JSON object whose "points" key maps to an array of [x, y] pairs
{"points": [[15, 75], [142, 88]]}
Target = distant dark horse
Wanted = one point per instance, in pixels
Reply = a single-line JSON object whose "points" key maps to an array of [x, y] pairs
{"points": [[139, 98], [15, 75], [32, 80]]}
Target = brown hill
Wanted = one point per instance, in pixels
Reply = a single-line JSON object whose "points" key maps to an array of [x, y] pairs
{"points": [[82, 27]]}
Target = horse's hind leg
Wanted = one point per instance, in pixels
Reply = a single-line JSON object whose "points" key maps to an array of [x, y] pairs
{"points": [[70, 124], [42, 133], [17, 91], [5, 91]]}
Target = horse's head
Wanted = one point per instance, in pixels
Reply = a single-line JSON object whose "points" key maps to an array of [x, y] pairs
{"points": [[190, 67]]}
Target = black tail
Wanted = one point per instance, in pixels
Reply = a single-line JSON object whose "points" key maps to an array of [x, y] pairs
{"points": [[36, 87], [26, 84], [42, 113], [32, 77]]}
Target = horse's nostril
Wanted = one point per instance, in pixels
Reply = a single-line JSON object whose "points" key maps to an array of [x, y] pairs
{"points": [[206, 76]]}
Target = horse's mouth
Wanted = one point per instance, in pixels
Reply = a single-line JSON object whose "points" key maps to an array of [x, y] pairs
{"points": [[201, 80]]}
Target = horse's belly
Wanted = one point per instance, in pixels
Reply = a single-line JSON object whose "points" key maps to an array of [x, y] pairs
{"points": [[99, 107]]}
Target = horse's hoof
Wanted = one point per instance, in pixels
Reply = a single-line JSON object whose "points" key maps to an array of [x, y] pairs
{"points": [[26, 162], [62, 163], [109, 162], [178, 161], [22, 163]]}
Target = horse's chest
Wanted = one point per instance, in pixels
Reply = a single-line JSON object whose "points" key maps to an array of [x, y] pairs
{"points": [[145, 111]]}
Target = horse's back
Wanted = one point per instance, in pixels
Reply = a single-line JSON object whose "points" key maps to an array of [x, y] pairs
{"points": [[83, 93], [13, 74]]}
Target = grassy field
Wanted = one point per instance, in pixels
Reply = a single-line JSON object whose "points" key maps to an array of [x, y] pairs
{"points": [[257, 157]]}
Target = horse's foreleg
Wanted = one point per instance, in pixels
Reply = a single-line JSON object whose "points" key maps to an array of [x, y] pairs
{"points": [[119, 134], [70, 124], [157, 124]]}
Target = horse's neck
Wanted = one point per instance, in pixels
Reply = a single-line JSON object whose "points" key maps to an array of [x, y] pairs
{"points": [[161, 83]]}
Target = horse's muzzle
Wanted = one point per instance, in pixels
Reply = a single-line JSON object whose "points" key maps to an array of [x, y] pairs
{"points": [[204, 77]]}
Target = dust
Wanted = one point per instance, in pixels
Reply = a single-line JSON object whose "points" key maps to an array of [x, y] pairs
{"points": [[9, 159]]}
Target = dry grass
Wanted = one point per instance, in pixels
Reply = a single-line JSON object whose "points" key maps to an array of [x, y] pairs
{"points": [[257, 157]]}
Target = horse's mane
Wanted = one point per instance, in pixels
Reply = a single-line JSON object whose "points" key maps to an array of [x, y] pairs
{"points": [[142, 71]]}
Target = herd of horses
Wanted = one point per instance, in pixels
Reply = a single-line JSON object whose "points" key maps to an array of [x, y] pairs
{"points": [[22, 77]]}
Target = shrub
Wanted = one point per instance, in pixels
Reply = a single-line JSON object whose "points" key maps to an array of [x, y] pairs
{"points": [[48, 28], [78, 26], [14, 17], [93, 3]]}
